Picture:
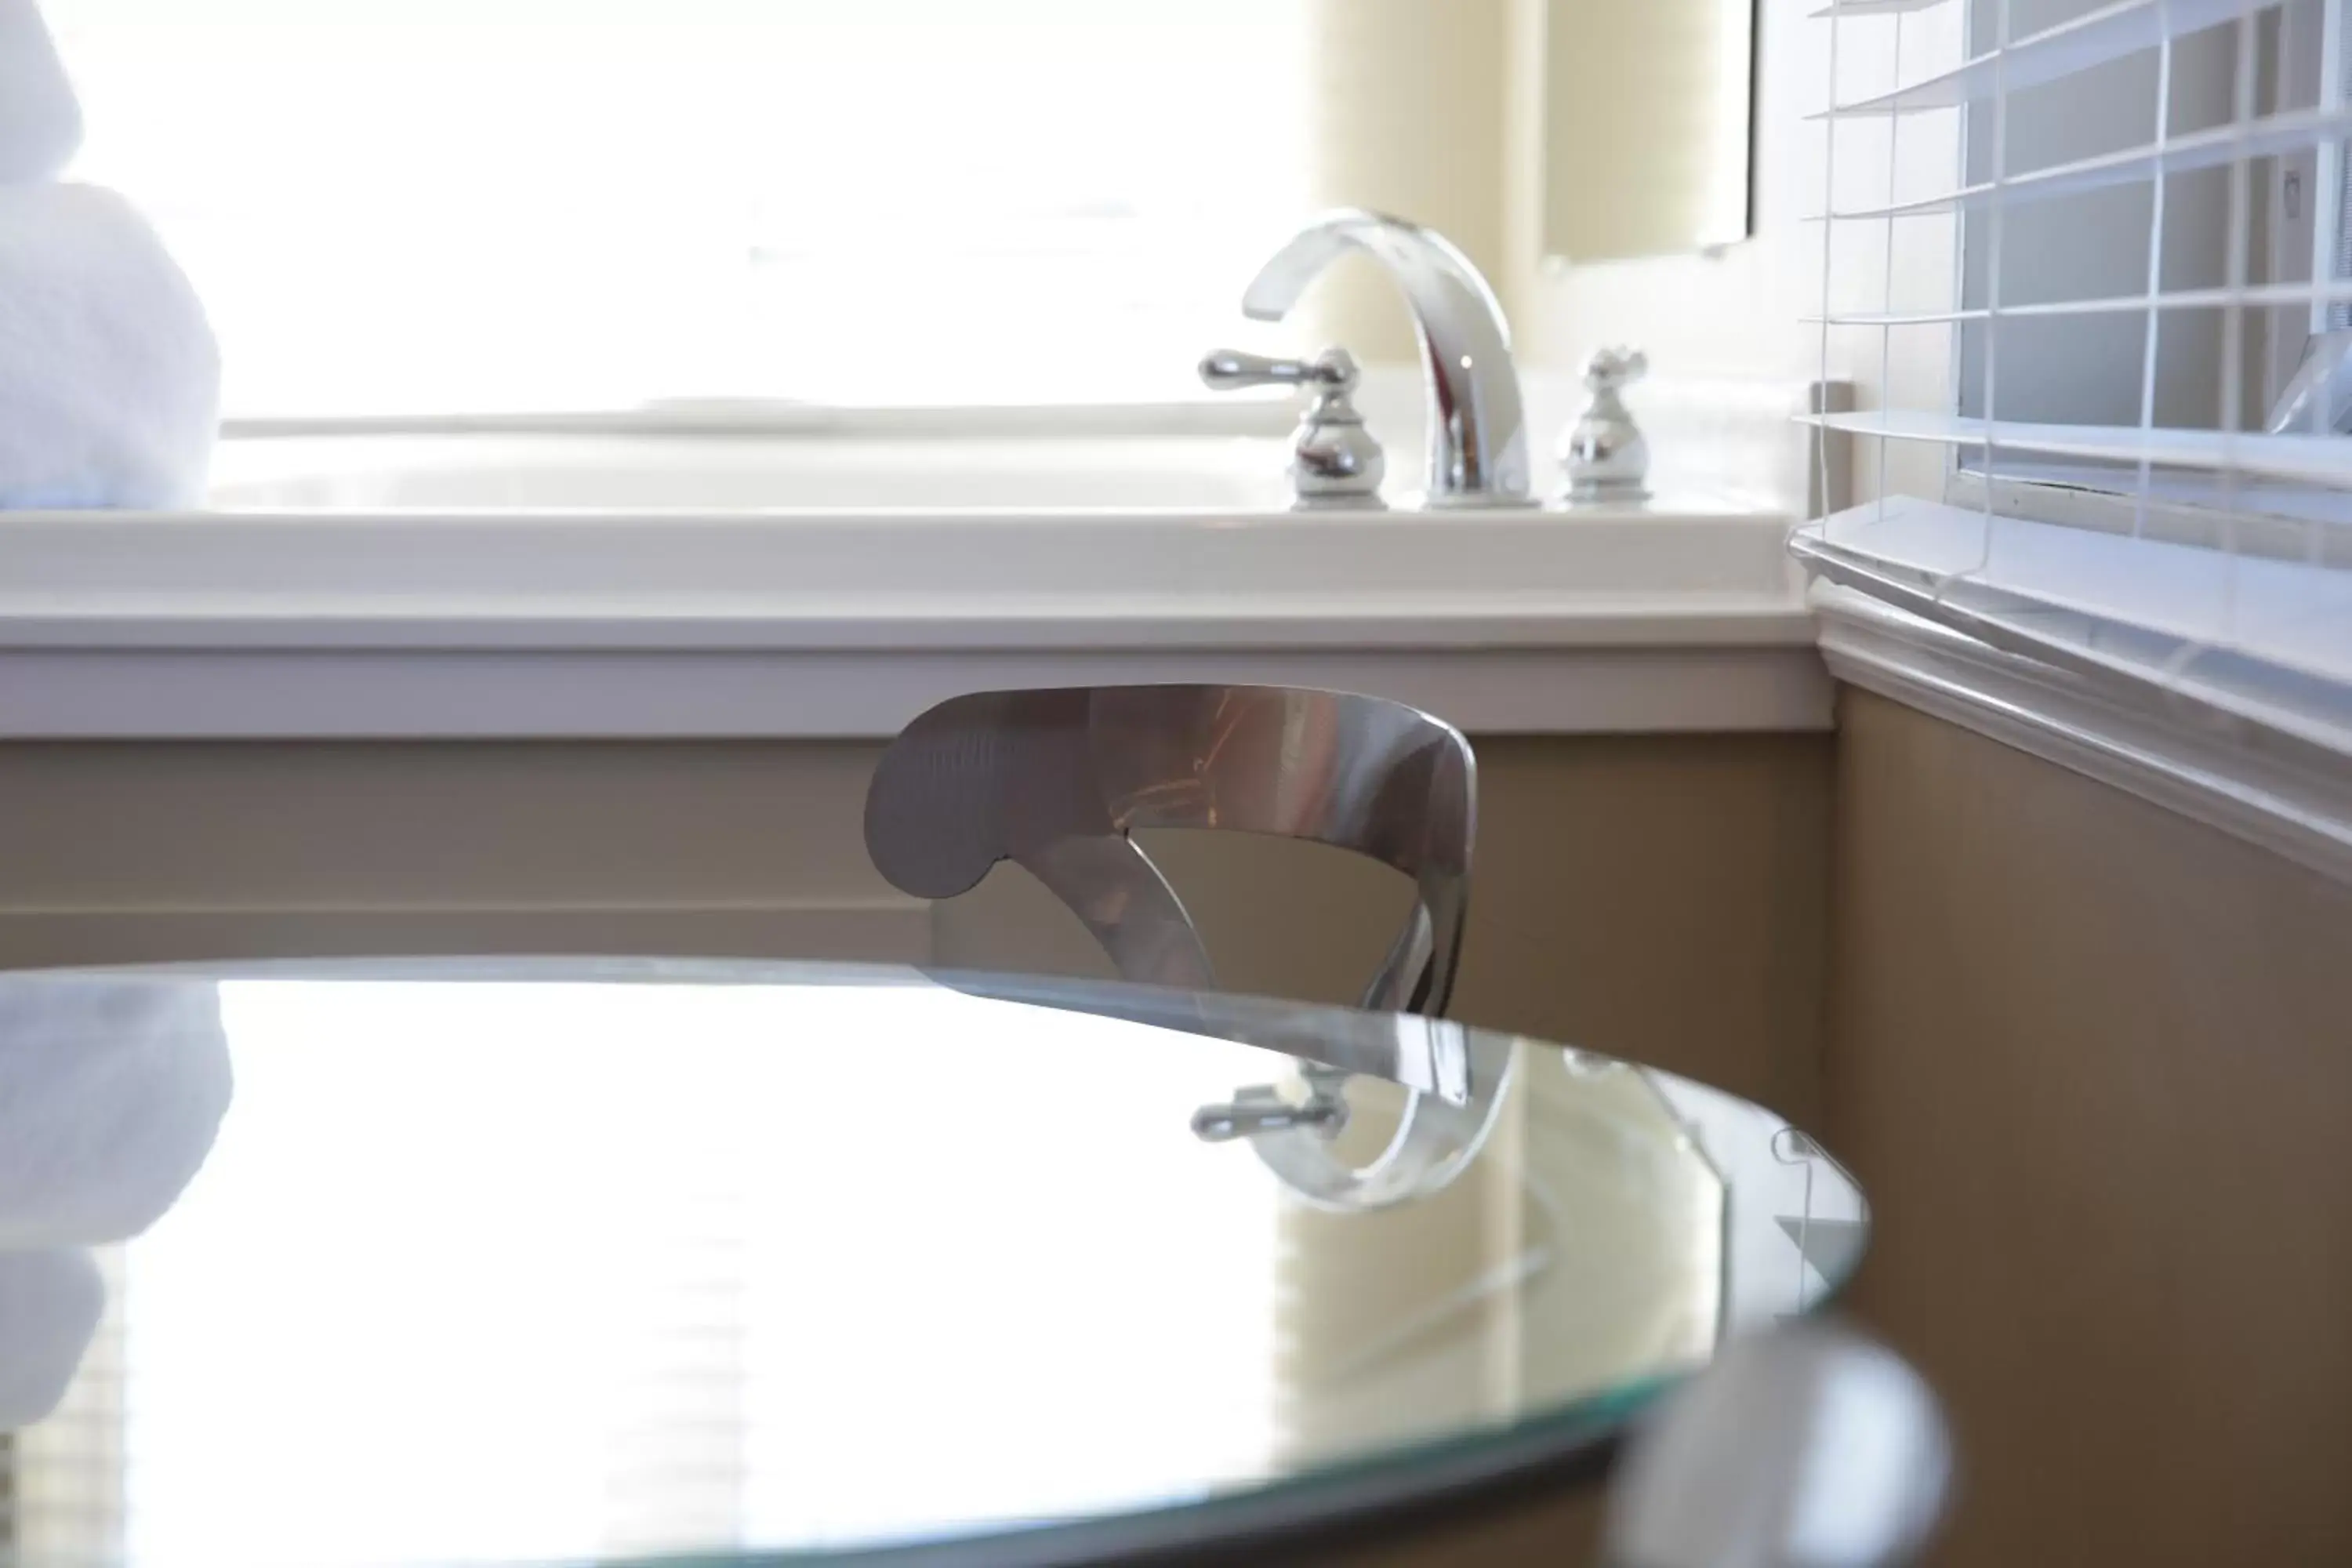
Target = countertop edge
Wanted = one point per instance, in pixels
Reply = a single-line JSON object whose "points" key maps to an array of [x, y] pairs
{"points": [[259, 627]]}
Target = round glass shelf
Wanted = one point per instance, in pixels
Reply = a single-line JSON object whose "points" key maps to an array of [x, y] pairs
{"points": [[503, 1261]]}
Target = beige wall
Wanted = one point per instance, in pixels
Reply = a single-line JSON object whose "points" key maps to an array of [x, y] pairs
{"points": [[1406, 115], [133, 852], [1661, 896], [2092, 1062]]}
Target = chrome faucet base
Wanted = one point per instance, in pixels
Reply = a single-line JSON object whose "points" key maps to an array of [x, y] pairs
{"points": [[1457, 501]]}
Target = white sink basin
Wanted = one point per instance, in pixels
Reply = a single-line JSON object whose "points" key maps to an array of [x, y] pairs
{"points": [[721, 473]]}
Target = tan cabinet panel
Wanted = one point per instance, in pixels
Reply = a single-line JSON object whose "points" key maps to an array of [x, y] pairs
{"points": [[2092, 1062]]}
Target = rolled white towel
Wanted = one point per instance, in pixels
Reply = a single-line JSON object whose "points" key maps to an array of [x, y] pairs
{"points": [[109, 378], [40, 123], [49, 1306], [112, 1092]]}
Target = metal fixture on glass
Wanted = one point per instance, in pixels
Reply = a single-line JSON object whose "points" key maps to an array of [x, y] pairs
{"points": [[1334, 460], [1810, 1444], [1058, 781], [1604, 458], [1477, 431], [2318, 398]]}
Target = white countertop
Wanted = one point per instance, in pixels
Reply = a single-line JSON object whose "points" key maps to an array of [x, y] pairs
{"points": [[411, 617]]}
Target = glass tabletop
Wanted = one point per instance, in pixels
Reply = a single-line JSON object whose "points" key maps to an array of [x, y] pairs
{"points": [[523, 1261]]}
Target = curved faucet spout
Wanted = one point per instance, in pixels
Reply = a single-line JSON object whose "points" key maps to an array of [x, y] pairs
{"points": [[1477, 431]]}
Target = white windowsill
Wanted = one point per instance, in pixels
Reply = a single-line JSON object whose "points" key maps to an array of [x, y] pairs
{"points": [[2101, 663], [2264, 639], [2301, 812]]}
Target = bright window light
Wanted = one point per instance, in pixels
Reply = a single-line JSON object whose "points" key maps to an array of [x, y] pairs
{"points": [[428, 205], [570, 1272]]}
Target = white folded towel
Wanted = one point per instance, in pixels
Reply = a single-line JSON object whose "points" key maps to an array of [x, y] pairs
{"points": [[109, 378], [112, 1092], [49, 1306], [40, 123]]}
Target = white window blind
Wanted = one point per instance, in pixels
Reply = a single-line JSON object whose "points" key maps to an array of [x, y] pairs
{"points": [[439, 206], [2095, 258]]}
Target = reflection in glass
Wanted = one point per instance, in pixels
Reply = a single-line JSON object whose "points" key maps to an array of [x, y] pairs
{"points": [[111, 1094], [635, 1291], [1529, 1277], [578, 1262]]}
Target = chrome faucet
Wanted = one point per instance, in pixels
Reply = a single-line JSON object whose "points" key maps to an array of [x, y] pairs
{"points": [[1477, 433]]}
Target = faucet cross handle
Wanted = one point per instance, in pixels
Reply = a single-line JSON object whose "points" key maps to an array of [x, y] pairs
{"points": [[1604, 458], [1611, 369]]}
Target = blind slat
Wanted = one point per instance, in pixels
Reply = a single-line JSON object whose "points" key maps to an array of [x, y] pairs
{"points": [[2199, 150], [2111, 32], [2175, 299], [2173, 552], [1872, 7], [2311, 459]]}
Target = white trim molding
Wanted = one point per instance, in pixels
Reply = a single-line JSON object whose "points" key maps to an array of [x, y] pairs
{"points": [[164, 693], [2127, 737]]}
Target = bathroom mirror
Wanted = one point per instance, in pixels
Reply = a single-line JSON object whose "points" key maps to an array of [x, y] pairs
{"points": [[1648, 111]]}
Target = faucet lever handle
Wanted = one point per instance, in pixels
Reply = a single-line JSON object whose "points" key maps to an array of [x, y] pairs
{"points": [[1228, 370], [1334, 460]]}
